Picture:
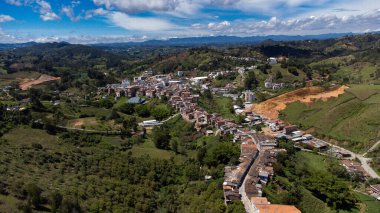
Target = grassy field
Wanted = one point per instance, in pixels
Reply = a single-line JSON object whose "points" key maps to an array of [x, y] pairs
{"points": [[350, 120], [316, 163], [148, 148], [22, 75], [370, 204], [220, 105], [359, 73]]}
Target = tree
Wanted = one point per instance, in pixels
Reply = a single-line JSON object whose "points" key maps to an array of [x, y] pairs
{"points": [[293, 71], [161, 112], [130, 123], [250, 81], [278, 75], [222, 153], [70, 204], [55, 201], [34, 194], [106, 103], [161, 137], [235, 207], [174, 145], [127, 108], [113, 115], [142, 111]]}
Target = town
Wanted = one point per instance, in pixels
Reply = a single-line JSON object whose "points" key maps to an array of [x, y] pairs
{"points": [[258, 149]]}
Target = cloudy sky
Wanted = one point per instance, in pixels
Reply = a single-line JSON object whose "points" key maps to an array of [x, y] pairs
{"points": [[93, 21]]}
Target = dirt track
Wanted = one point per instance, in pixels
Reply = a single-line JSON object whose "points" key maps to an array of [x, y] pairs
{"points": [[27, 83], [270, 108]]}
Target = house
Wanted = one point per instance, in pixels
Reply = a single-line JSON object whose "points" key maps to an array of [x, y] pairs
{"points": [[275, 208], [268, 84], [259, 200], [289, 129], [316, 144], [247, 148], [354, 168], [136, 100], [272, 60], [209, 133], [249, 96], [375, 188], [264, 176], [150, 123]]}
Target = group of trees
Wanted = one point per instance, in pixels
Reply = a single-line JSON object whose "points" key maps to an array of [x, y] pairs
{"points": [[250, 81], [158, 109], [297, 180], [85, 179]]}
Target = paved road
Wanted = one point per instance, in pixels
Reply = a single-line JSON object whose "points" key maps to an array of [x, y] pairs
{"points": [[372, 148], [366, 166], [363, 161], [169, 118], [244, 198]]}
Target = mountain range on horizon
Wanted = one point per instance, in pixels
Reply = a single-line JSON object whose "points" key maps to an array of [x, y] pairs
{"points": [[206, 40]]}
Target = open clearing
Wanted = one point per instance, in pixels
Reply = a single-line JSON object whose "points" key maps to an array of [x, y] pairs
{"points": [[270, 108], [27, 83]]}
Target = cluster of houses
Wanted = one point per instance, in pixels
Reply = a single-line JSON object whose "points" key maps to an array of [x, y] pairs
{"points": [[186, 103], [258, 152], [245, 181], [269, 84], [241, 58], [308, 142], [275, 60], [145, 85]]}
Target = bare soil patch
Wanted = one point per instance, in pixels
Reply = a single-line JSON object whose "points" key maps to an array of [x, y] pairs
{"points": [[271, 108], [27, 83]]}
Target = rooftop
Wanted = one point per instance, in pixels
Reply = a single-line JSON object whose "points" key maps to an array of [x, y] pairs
{"points": [[270, 208], [259, 200]]}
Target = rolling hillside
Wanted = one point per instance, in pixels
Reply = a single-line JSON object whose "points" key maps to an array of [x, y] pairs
{"points": [[352, 119]]}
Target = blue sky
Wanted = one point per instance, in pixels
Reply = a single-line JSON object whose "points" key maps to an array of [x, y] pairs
{"points": [[92, 21]]}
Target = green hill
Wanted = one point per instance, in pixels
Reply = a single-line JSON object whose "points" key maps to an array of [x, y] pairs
{"points": [[352, 119]]}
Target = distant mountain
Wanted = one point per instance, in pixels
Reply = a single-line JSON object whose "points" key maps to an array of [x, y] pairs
{"points": [[222, 40], [18, 45]]}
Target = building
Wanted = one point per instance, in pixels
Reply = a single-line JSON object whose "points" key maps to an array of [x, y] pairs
{"points": [[375, 188], [275, 208], [289, 129], [259, 200], [150, 123], [272, 60], [136, 100], [249, 96]]}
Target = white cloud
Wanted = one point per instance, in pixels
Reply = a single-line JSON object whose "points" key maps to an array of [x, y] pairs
{"points": [[219, 26], [46, 13], [6, 18], [138, 23], [306, 25], [14, 2], [139, 5], [97, 12], [69, 12], [43, 7]]}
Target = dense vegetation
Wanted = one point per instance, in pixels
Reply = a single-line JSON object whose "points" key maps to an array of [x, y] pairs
{"points": [[312, 182], [86, 175]]}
